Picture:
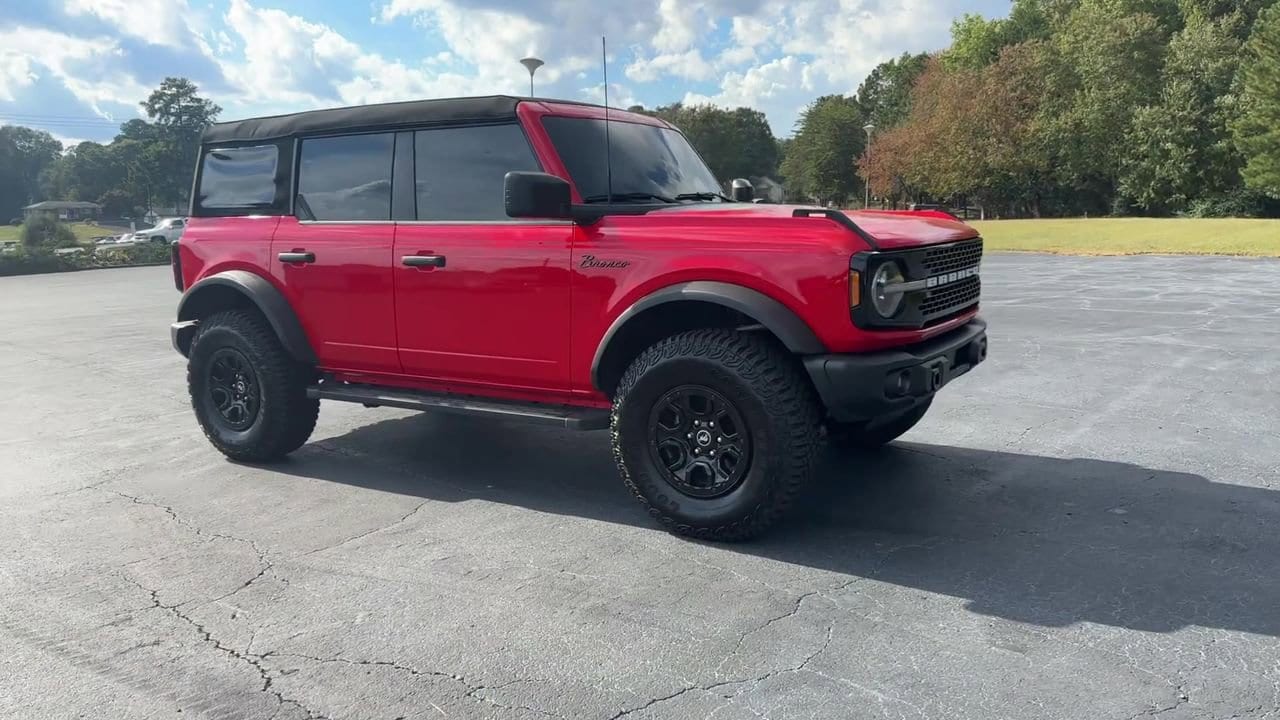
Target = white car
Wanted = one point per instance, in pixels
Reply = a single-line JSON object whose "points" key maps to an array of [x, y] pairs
{"points": [[165, 231]]}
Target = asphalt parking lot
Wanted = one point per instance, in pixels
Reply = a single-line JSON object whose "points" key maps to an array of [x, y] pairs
{"points": [[1088, 526]]}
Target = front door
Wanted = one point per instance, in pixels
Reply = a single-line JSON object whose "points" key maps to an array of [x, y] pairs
{"points": [[481, 300], [334, 259]]}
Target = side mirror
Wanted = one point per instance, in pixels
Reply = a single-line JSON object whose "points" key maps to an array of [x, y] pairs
{"points": [[741, 190], [536, 195]]}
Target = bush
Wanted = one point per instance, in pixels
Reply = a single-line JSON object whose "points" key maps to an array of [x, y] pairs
{"points": [[43, 260], [1242, 204], [40, 230]]}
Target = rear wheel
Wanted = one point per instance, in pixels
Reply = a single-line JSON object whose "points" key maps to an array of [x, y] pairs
{"points": [[715, 431], [876, 433], [248, 394]]}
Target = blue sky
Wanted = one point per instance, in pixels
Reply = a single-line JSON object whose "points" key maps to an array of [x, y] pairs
{"points": [[78, 68]]}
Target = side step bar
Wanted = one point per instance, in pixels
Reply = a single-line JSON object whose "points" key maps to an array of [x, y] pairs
{"points": [[570, 418]]}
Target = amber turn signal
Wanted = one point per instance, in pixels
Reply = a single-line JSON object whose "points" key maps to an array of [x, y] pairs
{"points": [[855, 289]]}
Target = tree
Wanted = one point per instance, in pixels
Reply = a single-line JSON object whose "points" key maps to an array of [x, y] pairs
{"points": [[24, 154], [820, 160], [885, 96], [976, 42], [1257, 131], [1179, 148], [178, 114]]}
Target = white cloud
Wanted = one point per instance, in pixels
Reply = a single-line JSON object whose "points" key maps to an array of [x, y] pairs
{"points": [[689, 65], [15, 74], [89, 68], [158, 22]]}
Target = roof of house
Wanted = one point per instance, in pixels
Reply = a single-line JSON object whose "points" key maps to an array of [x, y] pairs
{"points": [[494, 108], [64, 205]]}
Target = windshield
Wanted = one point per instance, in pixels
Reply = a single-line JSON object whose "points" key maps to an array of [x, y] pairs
{"points": [[649, 162]]}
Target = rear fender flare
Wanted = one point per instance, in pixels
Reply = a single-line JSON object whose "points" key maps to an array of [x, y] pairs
{"points": [[209, 295]]}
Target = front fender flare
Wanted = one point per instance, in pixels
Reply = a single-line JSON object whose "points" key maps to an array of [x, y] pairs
{"points": [[794, 333], [196, 302]]}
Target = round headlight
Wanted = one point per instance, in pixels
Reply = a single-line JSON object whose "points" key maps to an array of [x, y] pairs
{"points": [[887, 304]]}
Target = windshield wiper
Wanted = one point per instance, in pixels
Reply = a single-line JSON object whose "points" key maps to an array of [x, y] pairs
{"points": [[704, 196], [628, 197]]}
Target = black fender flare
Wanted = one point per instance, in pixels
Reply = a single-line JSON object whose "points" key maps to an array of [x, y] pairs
{"points": [[263, 295], [777, 318]]}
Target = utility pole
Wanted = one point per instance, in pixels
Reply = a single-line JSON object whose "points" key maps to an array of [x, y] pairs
{"points": [[866, 180], [531, 64]]}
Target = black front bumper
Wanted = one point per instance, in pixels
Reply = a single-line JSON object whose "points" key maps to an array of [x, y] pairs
{"points": [[862, 387]]}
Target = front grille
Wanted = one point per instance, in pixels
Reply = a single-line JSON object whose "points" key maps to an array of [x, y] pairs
{"points": [[953, 257], [951, 298]]}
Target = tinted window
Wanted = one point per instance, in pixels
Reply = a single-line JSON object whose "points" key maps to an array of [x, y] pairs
{"points": [[646, 159], [460, 170], [238, 177], [346, 178]]}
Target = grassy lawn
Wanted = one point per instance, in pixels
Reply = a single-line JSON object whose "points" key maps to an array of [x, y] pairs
{"points": [[84, 232], [1134, 236]]}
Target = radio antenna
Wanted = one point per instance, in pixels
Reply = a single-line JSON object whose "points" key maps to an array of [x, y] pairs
{"points": [[608, 141]]}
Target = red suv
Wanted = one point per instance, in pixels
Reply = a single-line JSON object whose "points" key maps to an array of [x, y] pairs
{"points": [[560, 263]]}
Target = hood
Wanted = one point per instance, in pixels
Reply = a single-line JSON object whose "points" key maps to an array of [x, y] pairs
{"points": [[891, 230]]}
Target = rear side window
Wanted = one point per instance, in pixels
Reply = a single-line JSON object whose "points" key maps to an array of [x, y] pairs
{"points": [[346, 178], [460, 170], [242, 177]]}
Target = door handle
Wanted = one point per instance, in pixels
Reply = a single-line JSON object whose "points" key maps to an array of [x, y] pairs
{"points": [[297, 257], [423, 260]]}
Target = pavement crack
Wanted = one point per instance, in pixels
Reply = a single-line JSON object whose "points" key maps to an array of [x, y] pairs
{"points": [[473, 690], [251, 659], [366, 533]]}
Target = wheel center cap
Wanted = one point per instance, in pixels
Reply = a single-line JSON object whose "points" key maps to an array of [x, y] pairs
{"points": [[240, 387], [703, 437]]}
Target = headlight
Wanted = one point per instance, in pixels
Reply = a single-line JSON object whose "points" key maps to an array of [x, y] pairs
{"points": [[887, 304]]}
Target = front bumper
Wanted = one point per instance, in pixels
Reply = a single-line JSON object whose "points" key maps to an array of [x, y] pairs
{"points": [[862, 387], [181, 334]]}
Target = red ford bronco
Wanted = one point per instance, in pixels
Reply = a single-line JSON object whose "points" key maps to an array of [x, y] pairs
{"points": [[559, 263]]}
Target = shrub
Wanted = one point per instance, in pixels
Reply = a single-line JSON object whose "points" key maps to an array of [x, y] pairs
{"points": [[1242, 204], [40, 230]]}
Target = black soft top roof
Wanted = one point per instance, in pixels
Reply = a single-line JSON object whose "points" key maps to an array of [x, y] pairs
{"points": [[494, 108]]}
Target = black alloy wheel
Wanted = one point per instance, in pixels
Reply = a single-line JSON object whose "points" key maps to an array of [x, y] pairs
{"points": [[700, 441], [233, 389]]}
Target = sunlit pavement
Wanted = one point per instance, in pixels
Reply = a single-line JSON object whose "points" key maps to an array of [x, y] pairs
{"points": [[1088, 526]]}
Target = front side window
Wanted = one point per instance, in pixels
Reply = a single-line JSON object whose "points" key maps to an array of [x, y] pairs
{"points": [[647, 160], [345, 178], [460, 171], [243, 177]]}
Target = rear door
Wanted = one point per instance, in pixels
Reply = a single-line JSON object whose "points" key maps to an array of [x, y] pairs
{"points": [[482, 301], [333, 258]]}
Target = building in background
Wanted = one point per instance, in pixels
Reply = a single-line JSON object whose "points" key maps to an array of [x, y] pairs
{"points": [[69, 210]]}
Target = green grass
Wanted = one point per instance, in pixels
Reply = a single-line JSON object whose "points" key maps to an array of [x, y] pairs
{"points": [[1134, 236], [84, 232]]}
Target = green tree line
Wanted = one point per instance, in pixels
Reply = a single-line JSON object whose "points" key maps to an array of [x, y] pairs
{"points": [[147, 165], [1068, 107]]}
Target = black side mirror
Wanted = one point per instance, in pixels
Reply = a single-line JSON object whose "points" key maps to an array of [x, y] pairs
{"points": [[742, 191], [536, 195]]}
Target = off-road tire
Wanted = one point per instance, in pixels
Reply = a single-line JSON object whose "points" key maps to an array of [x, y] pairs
{"points": [[285, 417], [776, 402], [875, 434]]}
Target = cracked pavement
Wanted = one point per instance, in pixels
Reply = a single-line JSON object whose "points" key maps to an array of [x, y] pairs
{"points": [[1088, 526]]}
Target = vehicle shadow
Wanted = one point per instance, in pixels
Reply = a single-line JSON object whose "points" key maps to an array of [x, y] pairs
{"points": [[1039, 540]]}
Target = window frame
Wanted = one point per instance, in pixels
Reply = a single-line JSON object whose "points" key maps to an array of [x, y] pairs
{"points": [[417, 218], [284, 171], [296, 173]]}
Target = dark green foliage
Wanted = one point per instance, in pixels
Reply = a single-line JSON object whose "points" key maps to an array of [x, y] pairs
{"points": [[44, 231], [1257, 129], [735, 143]]}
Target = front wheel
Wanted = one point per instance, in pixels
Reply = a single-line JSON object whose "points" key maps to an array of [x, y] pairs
{"points": [[248, 394], [876, 433], [715, 432]]}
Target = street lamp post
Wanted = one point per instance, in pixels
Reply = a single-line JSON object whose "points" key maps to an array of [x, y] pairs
{"points": [[531, 64], [866, 180]]}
